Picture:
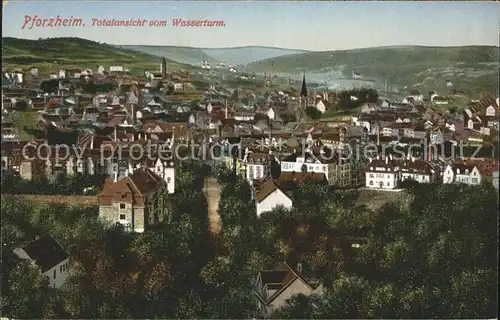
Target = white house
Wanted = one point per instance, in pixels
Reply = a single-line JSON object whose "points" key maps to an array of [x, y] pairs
{"points": [[462, 173], [100, 70], [416, 97], [490, 111], [179, 87], [383, 174], [62, 73], [116, 68], [268, 196], [45, 253], [273, 288], [271, 114], [166, 171], [305, 162], [321, 106], [418, 170]]}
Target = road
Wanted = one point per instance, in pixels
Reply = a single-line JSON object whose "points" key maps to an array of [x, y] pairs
{"points": [[212, 191]]}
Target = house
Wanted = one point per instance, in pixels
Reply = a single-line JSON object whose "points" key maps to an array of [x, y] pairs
{"points": [[271, 114], [368, 108], [418, 170], [383, 174], [45, 253], [304, 161], [135, 201], [494, 177], [462, 173], [274, 287], [166, 171], [320, 106], [257, 165], [269, 196]]}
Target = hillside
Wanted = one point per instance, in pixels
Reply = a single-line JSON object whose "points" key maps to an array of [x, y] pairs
{"points": [[230, 56], [246, 55], [188, 55], [469, 67], [56, 53]]}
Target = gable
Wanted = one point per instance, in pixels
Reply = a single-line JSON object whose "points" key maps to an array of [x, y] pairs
{"points": [[490, 111], [275, 195], [294, 287]]}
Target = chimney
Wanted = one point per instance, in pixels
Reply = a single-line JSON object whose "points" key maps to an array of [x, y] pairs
{"points": [[225, 110], [132, 110], [92, 142], [115, 133], [412, 159], [386, 160]]}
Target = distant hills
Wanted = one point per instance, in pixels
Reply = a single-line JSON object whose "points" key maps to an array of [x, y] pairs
{"points": [[74, 52], [231, 56], [469, 67]]}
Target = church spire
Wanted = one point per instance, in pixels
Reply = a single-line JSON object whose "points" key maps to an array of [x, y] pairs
{"points": [[164, 68], [303, 91]]}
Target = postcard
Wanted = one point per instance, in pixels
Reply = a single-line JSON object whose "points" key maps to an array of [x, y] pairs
{"points": [[249, 159]]}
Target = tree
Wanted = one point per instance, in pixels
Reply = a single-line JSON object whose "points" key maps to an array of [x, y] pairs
{"points": [[313, 113], [26, 292]]}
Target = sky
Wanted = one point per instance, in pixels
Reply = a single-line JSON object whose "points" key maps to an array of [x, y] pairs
{"points": [[317, 26]]}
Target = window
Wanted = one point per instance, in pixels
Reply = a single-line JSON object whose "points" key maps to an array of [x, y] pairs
{"points": [[61, 268], [371, 183], [54, 273], [370, 175], [388, 184], [122, 205], [122, 217]]}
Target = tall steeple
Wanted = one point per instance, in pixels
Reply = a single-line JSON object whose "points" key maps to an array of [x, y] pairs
{"points": [[164, 68], [303, 91]]}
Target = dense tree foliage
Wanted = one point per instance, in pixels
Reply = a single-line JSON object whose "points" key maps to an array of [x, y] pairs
{"points": [[64, 185], [313, 113], [354, 98], [430, 253]]}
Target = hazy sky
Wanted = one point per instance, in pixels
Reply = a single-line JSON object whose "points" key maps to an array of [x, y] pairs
{"points": [[299, 25]]}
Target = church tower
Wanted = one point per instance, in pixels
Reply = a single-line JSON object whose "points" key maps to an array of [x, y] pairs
{"points": [[303, 91], [164, 68], [302, 100]]}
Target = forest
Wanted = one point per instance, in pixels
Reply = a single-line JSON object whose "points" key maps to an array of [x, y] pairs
{"points": [[432, 253]]}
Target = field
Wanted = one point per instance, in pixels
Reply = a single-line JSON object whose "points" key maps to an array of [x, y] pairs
{"points": [[24, 119], [469, 68], [55, 53]]}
